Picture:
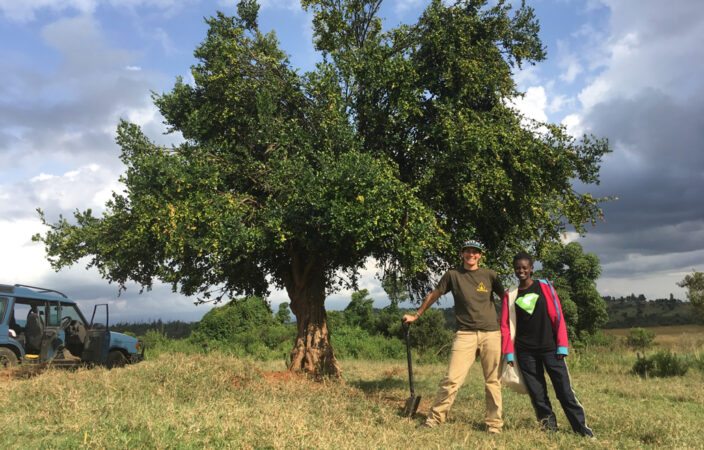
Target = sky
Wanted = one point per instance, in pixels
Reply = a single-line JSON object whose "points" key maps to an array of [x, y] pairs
{"points": [[628, 70]]}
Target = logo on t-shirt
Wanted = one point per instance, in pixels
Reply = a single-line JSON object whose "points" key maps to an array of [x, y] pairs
{"points": [[481, 287], [527, 302]]}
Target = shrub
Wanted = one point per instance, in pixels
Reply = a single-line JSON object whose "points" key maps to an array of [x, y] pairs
{"points": [[388, 323], [155, 338], [640, 339], [429, 332], [662, 364], [360, 311], [354, 342], [283, 315], [244, 327], [238, 316], [597, 339]]}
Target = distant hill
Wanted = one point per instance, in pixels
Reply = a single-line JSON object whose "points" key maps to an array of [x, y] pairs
{"points": [[172, 329], [628, 312]]}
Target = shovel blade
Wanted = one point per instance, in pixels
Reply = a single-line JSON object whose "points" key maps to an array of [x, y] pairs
{"points": [[411, 405]]}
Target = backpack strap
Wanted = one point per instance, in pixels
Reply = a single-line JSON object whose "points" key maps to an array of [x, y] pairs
{"points": [[554, 297]]}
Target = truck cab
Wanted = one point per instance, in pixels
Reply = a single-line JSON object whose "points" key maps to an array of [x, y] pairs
{"points": [[39, 325]]}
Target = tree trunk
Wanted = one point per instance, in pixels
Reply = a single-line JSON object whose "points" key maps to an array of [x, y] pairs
{"points": [[312, 352]]}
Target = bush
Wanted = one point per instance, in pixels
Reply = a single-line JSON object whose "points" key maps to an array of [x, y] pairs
{"points": [[154, 338], [244, 327], [662, 364], [597, 339], [360, 311], [237, 317], [428, 333], [388, 323], [354, 342], [640, 339]]}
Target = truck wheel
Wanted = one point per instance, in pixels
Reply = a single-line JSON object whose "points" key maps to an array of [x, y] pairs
{"points": [[115, 359], [7, 358]]}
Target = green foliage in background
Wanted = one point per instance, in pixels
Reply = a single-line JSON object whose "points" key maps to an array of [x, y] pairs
{"points": [[694, 283], [245, 327], [283, 315], [662, 364], [360, 311], [573, 273], [640, 339]]}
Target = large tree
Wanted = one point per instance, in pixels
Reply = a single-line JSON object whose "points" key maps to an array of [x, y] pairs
{"points": [[400, 144]]}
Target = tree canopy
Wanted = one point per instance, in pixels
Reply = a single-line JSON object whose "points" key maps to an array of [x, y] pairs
{"points": [[398, 146]]}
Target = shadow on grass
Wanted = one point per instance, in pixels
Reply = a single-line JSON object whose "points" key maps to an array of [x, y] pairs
{"points": [[380, 385]]}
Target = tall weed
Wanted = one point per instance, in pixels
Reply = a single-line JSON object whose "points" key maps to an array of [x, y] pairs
{"points": [[662, 364]]}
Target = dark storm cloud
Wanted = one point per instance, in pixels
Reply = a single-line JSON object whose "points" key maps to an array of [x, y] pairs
{"points": [[657, 173]]}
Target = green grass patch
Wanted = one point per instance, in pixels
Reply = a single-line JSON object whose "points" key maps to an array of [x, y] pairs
{"points": [[191, 398]]}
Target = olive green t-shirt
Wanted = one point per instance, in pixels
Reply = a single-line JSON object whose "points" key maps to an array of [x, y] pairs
{"points": [[472, 291]]}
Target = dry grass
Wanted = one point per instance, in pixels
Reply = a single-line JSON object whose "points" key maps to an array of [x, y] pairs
{"points": [[215, 401], [682, 338]]}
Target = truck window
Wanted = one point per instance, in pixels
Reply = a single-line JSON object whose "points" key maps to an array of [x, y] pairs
{"points": [[3, 308], [72, 312], [21, 311], [54, 318]]}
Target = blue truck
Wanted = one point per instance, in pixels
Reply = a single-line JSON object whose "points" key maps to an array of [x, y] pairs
{"points": [[39, 325]]}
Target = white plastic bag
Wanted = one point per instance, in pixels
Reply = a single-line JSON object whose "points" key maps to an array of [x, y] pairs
{"points": [[511, 377]]}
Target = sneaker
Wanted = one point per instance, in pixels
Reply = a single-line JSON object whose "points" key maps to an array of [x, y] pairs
{"points": [[425, 425], [494, 430]]}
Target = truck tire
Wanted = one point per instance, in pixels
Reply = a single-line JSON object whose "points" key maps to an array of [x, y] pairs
{"points": [[115, 359], [7, 358]]}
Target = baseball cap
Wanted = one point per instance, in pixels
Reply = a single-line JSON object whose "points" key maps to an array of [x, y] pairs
{"points": [[474, 244]]}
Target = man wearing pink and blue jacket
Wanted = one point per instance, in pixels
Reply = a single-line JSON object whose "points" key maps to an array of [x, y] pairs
{"points": [[534, 334]]}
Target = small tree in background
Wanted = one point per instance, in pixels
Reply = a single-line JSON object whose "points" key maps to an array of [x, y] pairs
{"points": [[429, 331], [694, 283], [283, 315], [388, 322], [640, 339], [360, 311], [574, 274]]}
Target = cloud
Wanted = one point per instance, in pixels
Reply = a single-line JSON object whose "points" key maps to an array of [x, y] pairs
{"points": [[57, 129], [646, 101], [403, 6], [532, 104], [659, 48], [26, 10], [70, 111], [569, 62]]}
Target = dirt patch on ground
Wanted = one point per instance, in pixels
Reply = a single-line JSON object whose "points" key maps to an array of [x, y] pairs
{"points": [[393, 371], [283, 376], [20, 373]]}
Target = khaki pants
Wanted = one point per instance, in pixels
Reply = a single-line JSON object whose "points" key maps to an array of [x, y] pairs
{"points": [[464, 350]]}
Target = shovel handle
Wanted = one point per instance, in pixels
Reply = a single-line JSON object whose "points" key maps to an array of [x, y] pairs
{"points": [[407, 325]]}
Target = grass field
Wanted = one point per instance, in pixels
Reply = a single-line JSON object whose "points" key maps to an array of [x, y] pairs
{"points": [[216, 401]]}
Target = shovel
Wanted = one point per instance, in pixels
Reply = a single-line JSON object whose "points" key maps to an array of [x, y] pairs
{"points": [[412, 401]]}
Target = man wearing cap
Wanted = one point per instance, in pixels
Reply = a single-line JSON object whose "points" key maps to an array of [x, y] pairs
{"points": [[477, 330]]}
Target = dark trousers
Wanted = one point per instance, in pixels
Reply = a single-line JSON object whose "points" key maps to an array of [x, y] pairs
{"points": [[533, 366]]}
